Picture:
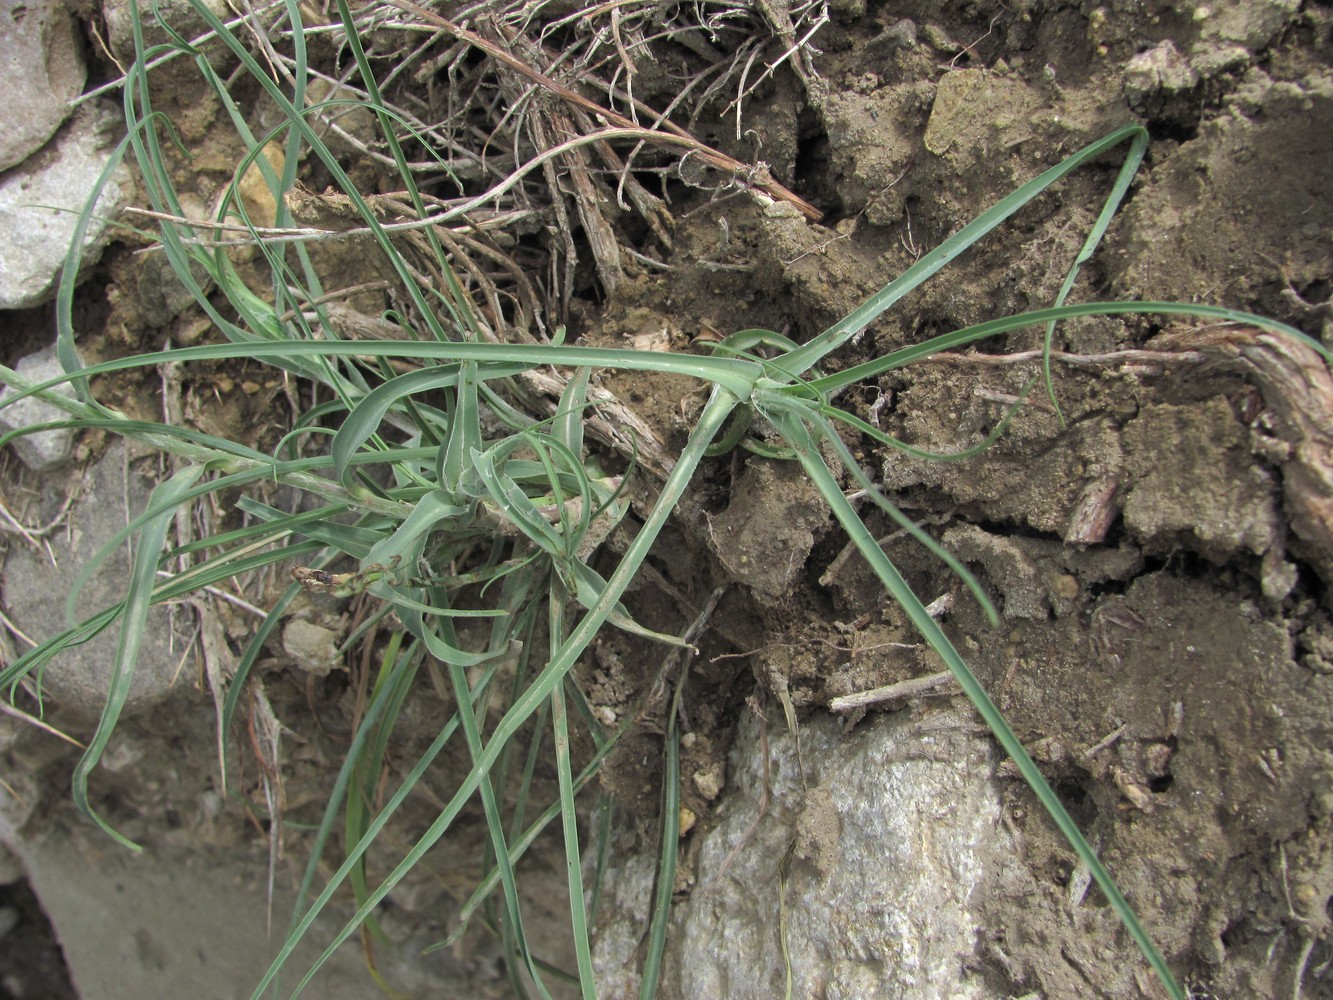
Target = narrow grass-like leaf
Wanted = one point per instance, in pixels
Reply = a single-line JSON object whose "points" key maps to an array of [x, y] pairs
{"points": [[246, 663], [590, 592], [871, 431], [737, 377], [134, 619], [830, 437], [1128, 170], [461, 511], [1039, 317], [456, 301], [392, 686], [568, 427], [660, 917], [494, 823], [519, 844], [714, 415], [605, 813], [355, 853], [132, 428], [175, 587], [523, 513], [317, 524], [36, 658], [405, 544], [800, 361], [66, 353], [578, 916], [790, 421]]}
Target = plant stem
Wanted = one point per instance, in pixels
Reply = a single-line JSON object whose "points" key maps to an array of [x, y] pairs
{"points": [[714, 416], [789, 421]]}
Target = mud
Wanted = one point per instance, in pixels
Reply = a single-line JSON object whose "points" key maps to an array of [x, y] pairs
{"points": [[1158, 645], [1158, 549]]}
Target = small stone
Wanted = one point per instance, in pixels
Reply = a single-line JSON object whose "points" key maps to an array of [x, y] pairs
{"points": [[1157, 760], [902, 33], [1065, 587], [313, 647], [781, 210], [978, 113], [687, 820], [11, 868], [161, 295], [709, 781], [1009, 567], [1194, 482], [1160, 70], [904, 820], [417, 895], [41, 450], [260, 205]]}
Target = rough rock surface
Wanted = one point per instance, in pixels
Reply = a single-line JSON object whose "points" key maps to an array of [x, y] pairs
{"points": [[311, 645], [180, 14], [41, 71], [44, 449], [34, 592], [41, 200], [875, 857]]}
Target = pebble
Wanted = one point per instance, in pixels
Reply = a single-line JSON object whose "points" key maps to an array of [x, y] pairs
{"points": [[41, 450]]}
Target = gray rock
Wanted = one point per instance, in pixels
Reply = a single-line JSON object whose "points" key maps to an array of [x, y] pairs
{"points": [[180, 14], [1254, 24], [41, 71], [42, 450], [890, 843], [1158, 73], [41, 200], [170, 923], [778, 496], [312, 646], [188, 917], [160, 295], [35, 591]]}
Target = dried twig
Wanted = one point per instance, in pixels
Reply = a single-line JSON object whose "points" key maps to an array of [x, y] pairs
{"points": [[911, 688], [669, 133]]}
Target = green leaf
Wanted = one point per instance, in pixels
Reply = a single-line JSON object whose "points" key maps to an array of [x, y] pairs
{"points": [[803, 359], [138, 599], [790, 423], [573, 859]]}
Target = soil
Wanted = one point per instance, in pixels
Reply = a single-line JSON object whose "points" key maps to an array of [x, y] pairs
{"points": [[1159, 551]]}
